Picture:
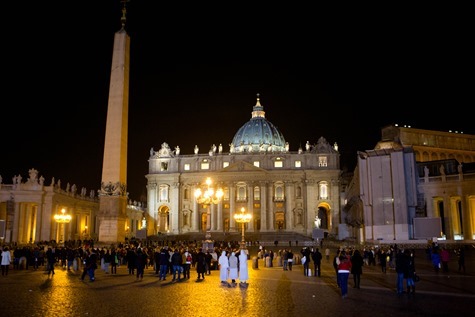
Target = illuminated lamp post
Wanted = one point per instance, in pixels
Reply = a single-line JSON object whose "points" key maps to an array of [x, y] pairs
{"points": [[61, 219], [207, 198], [243, 218], [84, 233]]}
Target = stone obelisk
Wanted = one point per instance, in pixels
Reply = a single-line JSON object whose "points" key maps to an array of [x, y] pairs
{"points": [[111, 218]]}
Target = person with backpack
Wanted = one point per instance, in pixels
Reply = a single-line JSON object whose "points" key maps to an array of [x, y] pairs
{"points": [[344, 269], [187, 260]]}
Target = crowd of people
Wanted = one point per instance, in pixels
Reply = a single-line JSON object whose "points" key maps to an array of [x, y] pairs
{"points": [[176, 260], [179, 259]]}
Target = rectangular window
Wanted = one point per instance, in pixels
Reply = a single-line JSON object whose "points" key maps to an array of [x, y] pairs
{"points": [[256, 163], [322, 161], [225, 164], [187, 167], [205, 165], [278, 164], [298, 164], [257, 193]]}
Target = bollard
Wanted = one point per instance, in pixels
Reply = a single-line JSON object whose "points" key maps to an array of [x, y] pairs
{"points": [[268, 262], [255, 262], [22, 263]]}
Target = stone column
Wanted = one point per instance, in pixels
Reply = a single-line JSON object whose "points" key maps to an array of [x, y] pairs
{"points": [[232, 205], [263, 206]]}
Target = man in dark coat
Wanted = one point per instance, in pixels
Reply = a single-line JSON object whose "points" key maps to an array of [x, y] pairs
{"points": [[317, 261], [201, 263], [356, 267]]}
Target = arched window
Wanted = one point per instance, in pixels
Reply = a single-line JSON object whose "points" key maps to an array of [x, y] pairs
{"points": [[279, 191], [241, 192], [323, 190], [163, 192], [257, 193]]}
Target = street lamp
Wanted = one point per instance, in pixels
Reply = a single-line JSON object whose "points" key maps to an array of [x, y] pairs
{"points": [[61, 219], [243, 218], [207, 198]]}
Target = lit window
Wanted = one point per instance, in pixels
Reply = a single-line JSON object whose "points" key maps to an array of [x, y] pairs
{"points": [[257, 193], [323, 190], [241, 192], [256, 163], [322, 161], [298, 164], [225, 164], [279, 192], [187, 167], [278, 162], [205, 165], [163, 196]]}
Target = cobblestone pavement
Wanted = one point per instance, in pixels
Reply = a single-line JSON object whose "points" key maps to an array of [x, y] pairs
{"points": [[271, 292]]}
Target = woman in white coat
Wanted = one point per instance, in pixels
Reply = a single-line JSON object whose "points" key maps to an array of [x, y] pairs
{"points": [[223, 262], [6, 260]]}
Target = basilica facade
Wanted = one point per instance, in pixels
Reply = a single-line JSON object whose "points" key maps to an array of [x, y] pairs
{"points": [[283, 190]]}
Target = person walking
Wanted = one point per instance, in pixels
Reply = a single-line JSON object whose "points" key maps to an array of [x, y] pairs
{"points": [[114, 261], [200, 263], [107, 260], [163, 262], [187, 260], [223, 263], [51, 259], [356, 268], [209, 260], [327, 254], [85, 261], [6, 260], [131, 256], [461, 260], [140, 263], [306, 263], [435, 258], [401, 270], [410, 272], [317, 261], [335, 267], [233, 267], [36, 258], [290, 259], [344, 268], [243, 272], [445, 258], [92, 267], [176, 264]]}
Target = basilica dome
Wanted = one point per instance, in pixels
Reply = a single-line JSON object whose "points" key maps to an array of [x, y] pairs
{"points": [[258, 135]]}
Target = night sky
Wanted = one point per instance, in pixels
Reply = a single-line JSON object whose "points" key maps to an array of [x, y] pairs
{"points": [[195, 73]]}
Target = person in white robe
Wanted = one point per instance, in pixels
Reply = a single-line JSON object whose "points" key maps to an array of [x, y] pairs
{"points": [[233, 267], [223, 262], [243, 273]]}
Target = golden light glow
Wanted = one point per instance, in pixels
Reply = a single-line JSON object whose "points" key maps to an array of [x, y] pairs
{"points": [[209, 196], [62, 217], [243, 218]]}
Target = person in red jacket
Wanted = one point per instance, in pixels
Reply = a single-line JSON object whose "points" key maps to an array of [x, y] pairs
{"points": [[344, 268]]}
